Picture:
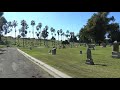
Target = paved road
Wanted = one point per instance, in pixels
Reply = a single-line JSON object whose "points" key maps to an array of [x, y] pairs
{"points": [[14, 65]]}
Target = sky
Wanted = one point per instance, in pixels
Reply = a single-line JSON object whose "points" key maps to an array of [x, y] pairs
{"points": [[72, 21]]}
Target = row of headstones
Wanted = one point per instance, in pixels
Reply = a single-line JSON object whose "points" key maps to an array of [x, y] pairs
{"points": [[89, 60]]}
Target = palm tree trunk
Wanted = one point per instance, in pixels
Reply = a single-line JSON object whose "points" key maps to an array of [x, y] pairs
{"points": [[15, 36], [23, 42], [58, 39]]}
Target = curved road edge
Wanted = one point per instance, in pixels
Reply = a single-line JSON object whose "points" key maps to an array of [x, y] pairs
{"points": [[52, 71]]}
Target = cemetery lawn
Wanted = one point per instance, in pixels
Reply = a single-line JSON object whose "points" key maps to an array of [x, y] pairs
{"points": [[2, 46], [72, 63]]}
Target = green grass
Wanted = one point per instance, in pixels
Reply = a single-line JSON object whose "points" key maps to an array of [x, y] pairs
{"points": [[72, 63], [2, 46]]}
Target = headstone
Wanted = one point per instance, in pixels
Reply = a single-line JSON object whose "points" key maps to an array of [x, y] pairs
{"points": [[54, 51], [89, 60], [115, 46], [115, 51], [80, 52]]}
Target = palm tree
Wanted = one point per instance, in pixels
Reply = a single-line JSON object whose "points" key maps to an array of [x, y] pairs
{"points": [[14, 25], [45, 34], [24, 29], [58, 32], [61, 35], [39, 27], [54, 36], [33, 24], [72, 37], [51, 29], [67, 34]]}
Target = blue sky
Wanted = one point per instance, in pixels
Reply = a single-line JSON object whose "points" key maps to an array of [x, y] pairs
{"points": [[72, 21]]}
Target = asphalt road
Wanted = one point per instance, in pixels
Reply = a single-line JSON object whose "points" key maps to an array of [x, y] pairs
{"points": [[14, 65]]}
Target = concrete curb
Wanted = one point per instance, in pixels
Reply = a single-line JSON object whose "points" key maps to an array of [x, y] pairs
{"points": [[52, 71]]}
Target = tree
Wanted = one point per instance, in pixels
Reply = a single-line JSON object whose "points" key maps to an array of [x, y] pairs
{"points": [[61, 33], [97, 26], [33, 24], [23, 30], [67, 34], [2, 22], [114, 32], [72, 36], [38, 27], [58, 32], [45, 34], [14, 25], [52, 31]]}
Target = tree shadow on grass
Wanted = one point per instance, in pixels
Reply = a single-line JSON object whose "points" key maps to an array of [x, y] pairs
{"points": [[101, 64]]}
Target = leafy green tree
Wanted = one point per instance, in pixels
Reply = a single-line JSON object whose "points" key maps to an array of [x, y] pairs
{"points": [[2, 22], [97, 27]]}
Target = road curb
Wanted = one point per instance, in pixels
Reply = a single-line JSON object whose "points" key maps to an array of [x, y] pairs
{"points": [[52, 71]]}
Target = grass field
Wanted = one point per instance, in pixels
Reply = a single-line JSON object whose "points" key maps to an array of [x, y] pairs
{"points": [[72, 63]]}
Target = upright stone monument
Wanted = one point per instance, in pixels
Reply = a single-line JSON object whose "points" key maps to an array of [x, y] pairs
{"points": [[115, 46], [89, 57], [115, 50], [54, 51]]}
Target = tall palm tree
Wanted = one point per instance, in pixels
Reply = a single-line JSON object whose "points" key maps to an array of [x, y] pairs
{"points": [[14, 25], [40, 25], [58, 32], [67, 34], [61, 35], [72, 37], [33, 24], [45, 34], [51, 29], [54, 36], [24, 29]]}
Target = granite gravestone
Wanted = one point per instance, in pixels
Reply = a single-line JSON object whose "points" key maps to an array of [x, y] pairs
{"points": [[115, 46], [54, 51], [80, 52], [115, 50], [89, 57]]}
